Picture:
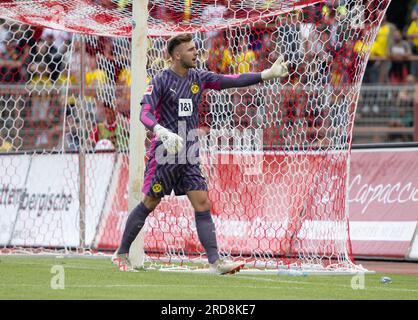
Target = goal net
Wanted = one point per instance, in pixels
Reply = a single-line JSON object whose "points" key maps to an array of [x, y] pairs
{"points": [[276, 155]]}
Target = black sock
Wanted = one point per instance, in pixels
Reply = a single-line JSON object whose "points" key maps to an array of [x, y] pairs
{"points": [[207, 236], [134, 224]]}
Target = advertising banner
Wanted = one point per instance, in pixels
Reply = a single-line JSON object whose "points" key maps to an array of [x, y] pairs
{"points": [[383, 201], [13, 173], [40, 204]]}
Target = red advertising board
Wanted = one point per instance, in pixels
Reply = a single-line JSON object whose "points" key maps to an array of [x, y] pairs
{"points": [[383, 201]]}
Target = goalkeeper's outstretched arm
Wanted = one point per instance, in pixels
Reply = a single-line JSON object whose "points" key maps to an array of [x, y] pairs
{"points": [[277, 70]]}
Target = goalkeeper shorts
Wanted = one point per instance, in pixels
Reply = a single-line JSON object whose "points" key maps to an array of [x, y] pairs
{"points": [[162, 179]]}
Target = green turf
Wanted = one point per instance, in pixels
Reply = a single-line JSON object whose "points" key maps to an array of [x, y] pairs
{"points": [[30, 278]]}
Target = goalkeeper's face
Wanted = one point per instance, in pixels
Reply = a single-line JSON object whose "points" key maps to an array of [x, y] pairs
{"points": [[187, 54]]}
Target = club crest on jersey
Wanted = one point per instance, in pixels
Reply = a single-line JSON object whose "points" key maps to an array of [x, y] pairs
{"points": [[157, 187], [195, 88], [149, 89]]}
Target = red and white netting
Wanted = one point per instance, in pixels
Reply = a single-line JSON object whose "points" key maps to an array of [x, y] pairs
{"points": [[113, 18], [276, 154]]}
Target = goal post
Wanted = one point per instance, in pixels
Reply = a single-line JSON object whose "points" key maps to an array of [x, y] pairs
{"points": [[276, 155], [137, 129]]}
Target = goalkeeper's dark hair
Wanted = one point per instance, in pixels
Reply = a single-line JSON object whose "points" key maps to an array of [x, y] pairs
{"points": [[178, 40]]}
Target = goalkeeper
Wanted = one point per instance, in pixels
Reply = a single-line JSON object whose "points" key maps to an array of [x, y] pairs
{"points": [[170, 110]]}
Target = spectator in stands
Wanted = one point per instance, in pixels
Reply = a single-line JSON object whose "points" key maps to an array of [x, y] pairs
{"points": [[72, 130], [107, 59], [341, 31], [46, 65], [377, 70], [226, 57], [110, 130], [241, 59], [213, 15], [334, 21], [350, 60], [307, 31], [214, 55], [11, 63], [56, 38], [339, 73], [40, 107], [5, 144], [267, 46], [123, 92], [107, 4], [4, 31], [53, 58], [16, 40], [396, 135], [71, 51], [290, 40], [75, 131], [399, 52], [406, 101], [42, 135], [319, 60], [412, 34]]}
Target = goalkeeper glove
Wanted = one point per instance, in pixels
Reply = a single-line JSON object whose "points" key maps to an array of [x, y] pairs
{"points": [[278, 69], [172, 142]]}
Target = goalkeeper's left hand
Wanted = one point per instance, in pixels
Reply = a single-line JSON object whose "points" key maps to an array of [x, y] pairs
{"points": [[278, 69]]}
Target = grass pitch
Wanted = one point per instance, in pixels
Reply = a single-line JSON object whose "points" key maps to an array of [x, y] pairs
{"points": [[30, 278]]}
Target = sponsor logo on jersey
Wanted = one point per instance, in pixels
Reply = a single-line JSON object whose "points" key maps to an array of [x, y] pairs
{"points": [[185, 107], [195, 88], [149, 89], [157, 187]]}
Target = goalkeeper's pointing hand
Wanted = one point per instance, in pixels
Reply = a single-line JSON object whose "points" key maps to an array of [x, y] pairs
{"points": [[277, 70], [172, 142]]}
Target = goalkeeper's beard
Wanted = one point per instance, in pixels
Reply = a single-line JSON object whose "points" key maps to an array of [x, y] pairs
{"points": [[188, 66]]}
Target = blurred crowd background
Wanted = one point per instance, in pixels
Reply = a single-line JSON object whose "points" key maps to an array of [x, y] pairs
{"points": [[36, 58]]}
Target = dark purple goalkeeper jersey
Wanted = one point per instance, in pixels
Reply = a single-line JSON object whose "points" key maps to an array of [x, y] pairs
{"points": [[173, 102], [171, 99]]}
